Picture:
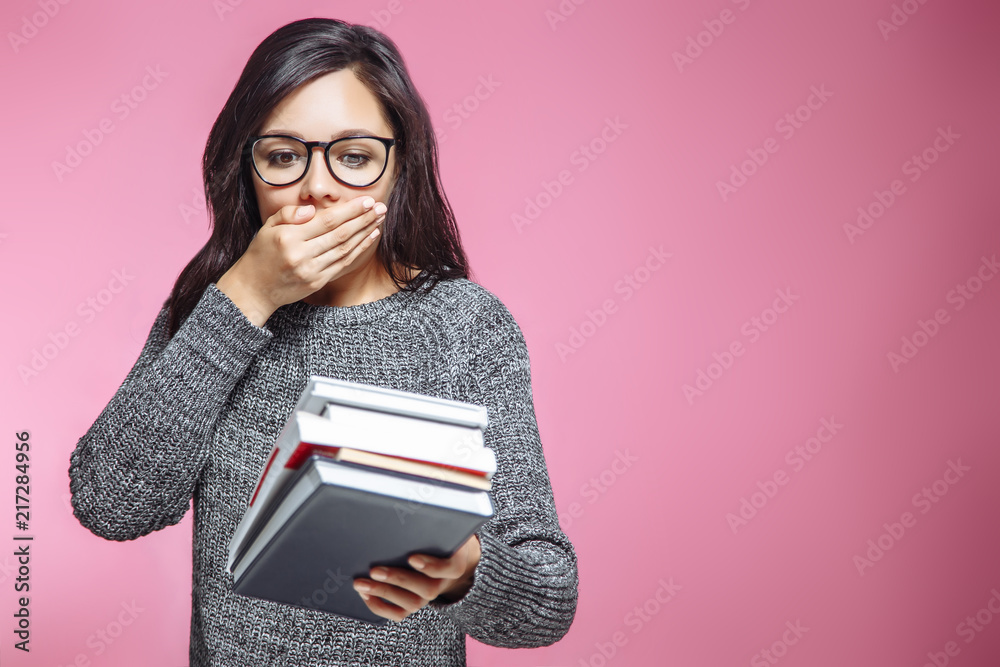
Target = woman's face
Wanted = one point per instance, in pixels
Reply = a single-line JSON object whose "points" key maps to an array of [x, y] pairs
{"points": [[316, 111]]}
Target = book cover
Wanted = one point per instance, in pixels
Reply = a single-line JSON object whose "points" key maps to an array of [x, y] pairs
{"points": [[336, 520]]}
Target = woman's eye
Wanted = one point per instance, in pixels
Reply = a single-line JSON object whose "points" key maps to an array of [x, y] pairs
{"points": [[283, 159], [353, 160]]}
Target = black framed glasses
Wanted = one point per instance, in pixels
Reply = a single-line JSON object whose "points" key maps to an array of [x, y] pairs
{"points": [[355, 161]]}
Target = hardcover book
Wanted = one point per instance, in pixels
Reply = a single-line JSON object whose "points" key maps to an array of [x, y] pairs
{"points": [[360, 476]]}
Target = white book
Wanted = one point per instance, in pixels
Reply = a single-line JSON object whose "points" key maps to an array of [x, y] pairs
{"points": [[322, 390], [397, 435]]}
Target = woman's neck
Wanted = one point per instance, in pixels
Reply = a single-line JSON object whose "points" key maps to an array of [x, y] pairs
{"points": [[368, 283]]}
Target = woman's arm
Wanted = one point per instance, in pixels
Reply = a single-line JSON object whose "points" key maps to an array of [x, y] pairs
{"points": [[135, 469], [524, 589]]}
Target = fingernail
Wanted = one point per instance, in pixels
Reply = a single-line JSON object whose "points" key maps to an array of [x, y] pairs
{"points": [[378, 574], [368, 202], [418, 562], [380, 208], [304, 211], [362, 587]]}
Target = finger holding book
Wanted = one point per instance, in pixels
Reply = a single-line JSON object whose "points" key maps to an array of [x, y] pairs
{"points": [[395, 593]]}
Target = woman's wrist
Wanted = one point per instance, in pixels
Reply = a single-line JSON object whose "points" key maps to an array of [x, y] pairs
{"points": [[255, 309], [462, 585]]}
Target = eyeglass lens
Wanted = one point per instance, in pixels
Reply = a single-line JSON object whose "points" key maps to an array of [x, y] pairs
{"points": [[356, 161]]}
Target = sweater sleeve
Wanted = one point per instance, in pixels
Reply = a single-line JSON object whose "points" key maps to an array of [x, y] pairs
{"points": [[524, 589], [135, 469]]}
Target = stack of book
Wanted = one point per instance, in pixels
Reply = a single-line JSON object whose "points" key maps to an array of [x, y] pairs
{"points": [[360, 476]]}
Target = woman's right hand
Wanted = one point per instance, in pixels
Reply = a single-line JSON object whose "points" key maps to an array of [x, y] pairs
{"points": [[297, 251]]}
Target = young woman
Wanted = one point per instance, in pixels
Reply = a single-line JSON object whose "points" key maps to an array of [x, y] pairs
{"points": [[333, 252]]}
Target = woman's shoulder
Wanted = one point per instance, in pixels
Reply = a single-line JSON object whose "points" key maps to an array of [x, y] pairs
{"points": [[472, 302]]}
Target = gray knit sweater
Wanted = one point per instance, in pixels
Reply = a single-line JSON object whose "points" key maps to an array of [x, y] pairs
{"points": [[197, 415]]}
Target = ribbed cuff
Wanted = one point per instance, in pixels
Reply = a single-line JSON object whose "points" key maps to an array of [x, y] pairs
{"points": [[513, 602]]}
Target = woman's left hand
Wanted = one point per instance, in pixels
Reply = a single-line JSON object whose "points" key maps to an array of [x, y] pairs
{"points": [[395, 593]]}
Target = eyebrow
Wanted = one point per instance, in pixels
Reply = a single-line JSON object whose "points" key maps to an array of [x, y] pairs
{"points": [[351, 132]]}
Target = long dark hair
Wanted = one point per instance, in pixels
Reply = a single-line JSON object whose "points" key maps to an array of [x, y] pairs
{"points": [[419, 230]]}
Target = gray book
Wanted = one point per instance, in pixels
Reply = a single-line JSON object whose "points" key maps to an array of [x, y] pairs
{"points": [[333, 521]]}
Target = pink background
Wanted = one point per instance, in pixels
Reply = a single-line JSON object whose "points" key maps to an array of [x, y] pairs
{"points": [[644, 474]]}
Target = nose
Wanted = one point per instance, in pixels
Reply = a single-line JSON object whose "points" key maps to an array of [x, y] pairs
{"points": [[319, 183]]}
